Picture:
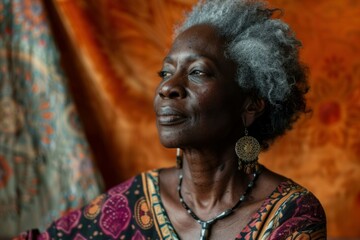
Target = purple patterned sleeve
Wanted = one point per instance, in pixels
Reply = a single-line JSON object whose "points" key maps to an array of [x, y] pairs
{"points": [[109, 216], [302, 216]]}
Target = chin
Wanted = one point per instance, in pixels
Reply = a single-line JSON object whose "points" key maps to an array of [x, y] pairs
{"points": [[169, 138], [169, 143]]}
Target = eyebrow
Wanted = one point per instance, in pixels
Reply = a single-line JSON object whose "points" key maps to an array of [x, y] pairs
{"points": [[193, 57]]}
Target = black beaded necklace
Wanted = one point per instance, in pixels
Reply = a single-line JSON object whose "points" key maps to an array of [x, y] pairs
{"points": [[206, 225]]}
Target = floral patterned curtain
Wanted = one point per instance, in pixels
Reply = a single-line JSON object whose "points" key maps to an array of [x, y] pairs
{"points": [[46, 168]]}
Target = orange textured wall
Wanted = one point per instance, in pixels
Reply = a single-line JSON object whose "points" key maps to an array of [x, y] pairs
{"points": [[120, 45], [323, 151]]}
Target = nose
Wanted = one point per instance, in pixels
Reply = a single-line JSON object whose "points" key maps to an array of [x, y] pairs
{"points": [[172, 89]]}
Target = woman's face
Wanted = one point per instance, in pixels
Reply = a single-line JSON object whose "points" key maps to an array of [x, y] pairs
{"points": [[198, 103]]}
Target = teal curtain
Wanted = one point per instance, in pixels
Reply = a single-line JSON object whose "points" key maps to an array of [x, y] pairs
{"points": [[46, 168]]}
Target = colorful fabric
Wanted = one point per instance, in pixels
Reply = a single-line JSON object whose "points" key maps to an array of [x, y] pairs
{"points": [[46, 168], [133, 210]]}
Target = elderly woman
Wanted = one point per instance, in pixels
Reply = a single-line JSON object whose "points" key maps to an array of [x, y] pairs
{"points": [[231, 83]]}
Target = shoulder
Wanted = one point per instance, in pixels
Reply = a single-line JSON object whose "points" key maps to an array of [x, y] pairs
{"points": [[114, 206], [294, 198], [283, 194], [295, 211], [118, 213]]}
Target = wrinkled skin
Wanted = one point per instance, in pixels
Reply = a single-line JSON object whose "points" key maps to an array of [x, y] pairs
{"points": [[198, 103], [202, 110]]}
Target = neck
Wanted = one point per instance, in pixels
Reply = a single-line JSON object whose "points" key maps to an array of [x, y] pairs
{"points": [[206, 225], [211, 180]]}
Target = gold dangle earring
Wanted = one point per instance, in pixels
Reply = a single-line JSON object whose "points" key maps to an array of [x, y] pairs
{"points": [[247, 149], [179, 158]]}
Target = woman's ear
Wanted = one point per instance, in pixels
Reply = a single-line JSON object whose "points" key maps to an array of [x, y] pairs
{"points": [[253, 108]]}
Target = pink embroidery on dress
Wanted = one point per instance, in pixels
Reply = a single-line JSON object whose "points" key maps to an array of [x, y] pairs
{"points": [[79, 237], [121, 188], [138, 236], [115, 216], [68, 222]]}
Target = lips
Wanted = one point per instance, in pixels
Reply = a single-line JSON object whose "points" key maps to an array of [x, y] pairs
{"points": [[169, 116]]}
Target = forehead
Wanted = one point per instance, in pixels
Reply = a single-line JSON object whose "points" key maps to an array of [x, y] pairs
{"points": [[202, 39]]}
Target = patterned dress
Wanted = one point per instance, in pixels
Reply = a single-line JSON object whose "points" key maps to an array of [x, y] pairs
{"points": [[133, 210]]}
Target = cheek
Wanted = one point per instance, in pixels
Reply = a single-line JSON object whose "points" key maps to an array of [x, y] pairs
{"points": [[220, 109], [216, 102]]}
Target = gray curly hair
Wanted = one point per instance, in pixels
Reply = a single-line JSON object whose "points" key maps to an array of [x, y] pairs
{"points": [[266, 53]]}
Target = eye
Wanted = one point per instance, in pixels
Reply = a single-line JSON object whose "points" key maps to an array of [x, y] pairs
{"points": [[197, 73], [164, 74]]}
